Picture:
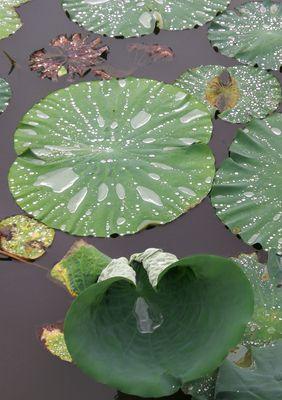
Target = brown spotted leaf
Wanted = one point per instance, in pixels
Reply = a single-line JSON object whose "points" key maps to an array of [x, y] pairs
{"points": [[52, 337]]}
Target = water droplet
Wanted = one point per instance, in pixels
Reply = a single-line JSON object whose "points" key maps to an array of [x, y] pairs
{"points": [[58, 180], [148, 317]]}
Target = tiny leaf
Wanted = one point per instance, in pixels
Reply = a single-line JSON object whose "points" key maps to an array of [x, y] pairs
{"points": [[52, 337]]}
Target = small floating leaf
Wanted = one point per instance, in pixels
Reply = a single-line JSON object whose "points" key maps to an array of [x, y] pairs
{"points": [[24, 237], [80, 267], [52, 336], [247, 191], [113, 157], [261, 381], [239, 93], [252, 34], [150, 341], [131, 17], [5, 94], [9, 18]]}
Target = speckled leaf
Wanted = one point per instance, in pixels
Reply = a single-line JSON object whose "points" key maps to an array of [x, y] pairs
{"points": [[252, 34], [247, 191], [52, 336], [131, 17], [80, 267], [9, 19], [112, 157], [261, 381], [24, 237], [149, 341], [239, 93], [266, 323], [5, 94]]}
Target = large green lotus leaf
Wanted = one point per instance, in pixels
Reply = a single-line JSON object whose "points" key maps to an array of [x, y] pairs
{"points": [[9, 19], [131, 17], [239, 93], [247, 190], [261, 381], [148, 341], [5, 94], [252, 34], [80, 267], [112, 157]]}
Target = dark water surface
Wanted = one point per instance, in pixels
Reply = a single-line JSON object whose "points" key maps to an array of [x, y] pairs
{"points": [[28, 299]]}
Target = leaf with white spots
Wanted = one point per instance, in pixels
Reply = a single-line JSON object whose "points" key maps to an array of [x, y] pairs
{"points": [[131, 17], [52, 337], [9, 19], [5, 94], [239, 93], [112, 157], [25, 237], [247, 190], [252, 34]]}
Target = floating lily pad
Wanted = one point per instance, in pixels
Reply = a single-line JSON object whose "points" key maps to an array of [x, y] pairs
{"points": [[52, 337], [112, 157], [261, 381], [239, 93], [80, 267], [252, 34], [131, 17], [24, 237], [247, 191], [5, 94], [148, 341], [9, 19]]}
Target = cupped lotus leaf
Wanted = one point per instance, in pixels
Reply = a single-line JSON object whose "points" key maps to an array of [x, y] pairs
{"points": [[239, 93], [266, 323], [247, 190], [80, 267], [252, 33], [261, 381], [9, 19], [149, 341], [112, 157], [131, 17], [5, 94], [24, 237], [52, 336]]}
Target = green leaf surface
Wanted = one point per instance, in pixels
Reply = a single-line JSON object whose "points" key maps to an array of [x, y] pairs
{"points": [[9, 19], [150, 341], [5, 94], [262, 381], [24, 237], [247, 190], [80, 267], [131, 17], [52, 337], [252, 33], [246, 92], [112, 157]]}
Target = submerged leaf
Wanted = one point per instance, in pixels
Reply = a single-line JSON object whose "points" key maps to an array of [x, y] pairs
{"points": [[5, 94], [113, 157], [129, 18], [80, 267], [52, 336], [247, 191], [149, 341], [9, 18], [239, 93], [24, 237], [252, 33]]}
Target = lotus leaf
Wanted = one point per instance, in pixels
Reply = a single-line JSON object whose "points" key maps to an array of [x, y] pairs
{"points": [[5, 94], [9, 19], [53, 339]]}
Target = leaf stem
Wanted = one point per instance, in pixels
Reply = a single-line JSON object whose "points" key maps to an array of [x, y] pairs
{"points": [[23, 260]]}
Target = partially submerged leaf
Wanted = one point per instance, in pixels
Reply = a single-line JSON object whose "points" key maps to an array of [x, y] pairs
{"points": [[239, 93], [24, 237], [112, 157], [5, 94], [149, 341], [80, 267], [52, 336], [261, 381], [252, 33], [247, 190], [131, 17], [9, 19]]}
